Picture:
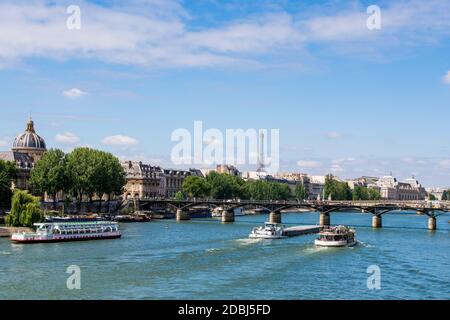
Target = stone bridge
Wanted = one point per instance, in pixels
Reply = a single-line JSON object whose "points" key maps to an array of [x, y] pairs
{"points": [[325, 208]]}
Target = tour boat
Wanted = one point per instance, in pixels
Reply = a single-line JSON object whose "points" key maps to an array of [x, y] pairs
{"points": [[69, 231], [340, 236], [268, 231]]}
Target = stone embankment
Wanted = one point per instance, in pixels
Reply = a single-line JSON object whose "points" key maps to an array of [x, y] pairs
{"points": [[6, 232]]}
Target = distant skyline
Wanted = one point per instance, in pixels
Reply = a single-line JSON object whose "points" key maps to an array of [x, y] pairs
{"points": [[347, 100]]}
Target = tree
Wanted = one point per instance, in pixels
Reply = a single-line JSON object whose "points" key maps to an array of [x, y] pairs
{"points": [[93, 172], [82, 168], [109, 175], [432, 197], [337, 190], [179, 196], [25, 210], [279, 191], [7, 175], [446, 195], [265, 190], [225, 186], [373, 194], [50, 174], [360, 193], [196, 187], [300, 192]]}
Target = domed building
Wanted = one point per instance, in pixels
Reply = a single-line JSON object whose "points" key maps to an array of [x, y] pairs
{"points": [[27, 149]]}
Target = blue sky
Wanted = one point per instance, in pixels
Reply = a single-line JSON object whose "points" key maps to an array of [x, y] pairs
{"points": [[346, 99]]}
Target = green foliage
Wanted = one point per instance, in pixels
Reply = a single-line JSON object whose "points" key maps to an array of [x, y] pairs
{"points": [[446, 195], [264, 190], [337, 190], [94, 172], [83, 172], [196, 187], [7, 174], [432, 197], [373, 194], [179, 196], [360, 193], [224, 186], [50, 173], [300, 192], [25, 210]]}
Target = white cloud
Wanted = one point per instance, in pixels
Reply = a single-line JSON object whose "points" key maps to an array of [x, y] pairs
{"points": [[334, 135], [73, 93], [336, 168], [67, 138], [343, 160], [119, 140], [157, 33], [446, 78], [308, 164]]}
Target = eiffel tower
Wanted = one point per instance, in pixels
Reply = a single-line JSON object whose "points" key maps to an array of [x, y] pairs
{"points": [[261, 158]]}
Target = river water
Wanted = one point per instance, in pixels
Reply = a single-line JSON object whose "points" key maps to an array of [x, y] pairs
{"points": [[205, 259]]}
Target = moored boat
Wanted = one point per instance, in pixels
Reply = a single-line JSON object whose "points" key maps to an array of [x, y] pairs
{"points": [[268, 231], [69, 231], [339, 236]]}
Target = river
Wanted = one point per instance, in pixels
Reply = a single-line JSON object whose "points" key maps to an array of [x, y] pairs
{"points": [[205, 259]]}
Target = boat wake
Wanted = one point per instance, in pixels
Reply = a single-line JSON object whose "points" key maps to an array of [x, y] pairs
{"points": [[363, 244], [313, 250], [247, 241], [212, 250]]}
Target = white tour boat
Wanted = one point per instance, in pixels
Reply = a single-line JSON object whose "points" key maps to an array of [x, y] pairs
{"points": [[340, 236], [268, 231], [69, 231]]}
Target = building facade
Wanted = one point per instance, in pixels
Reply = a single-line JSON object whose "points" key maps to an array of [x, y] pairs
{"points": [[228, 169], [27, 149], [144, 181], [409, 190]]}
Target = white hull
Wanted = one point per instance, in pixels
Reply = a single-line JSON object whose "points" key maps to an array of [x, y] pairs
{"points": [[265, 236], [69, 231], [334, 244], [269, 231], [30, 238]]}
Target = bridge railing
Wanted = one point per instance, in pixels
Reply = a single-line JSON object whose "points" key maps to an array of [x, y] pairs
{"points": [[422, 204]]}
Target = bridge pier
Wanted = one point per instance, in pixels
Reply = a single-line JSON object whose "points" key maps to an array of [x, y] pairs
{"points": [[376, 221], [432, 223], [227, 216], [275, 217], [183, 215], [324, 219]]}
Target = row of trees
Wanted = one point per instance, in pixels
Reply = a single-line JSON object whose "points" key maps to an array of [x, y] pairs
{"points": [[224, 186], [82, 173], [339, 190]]}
